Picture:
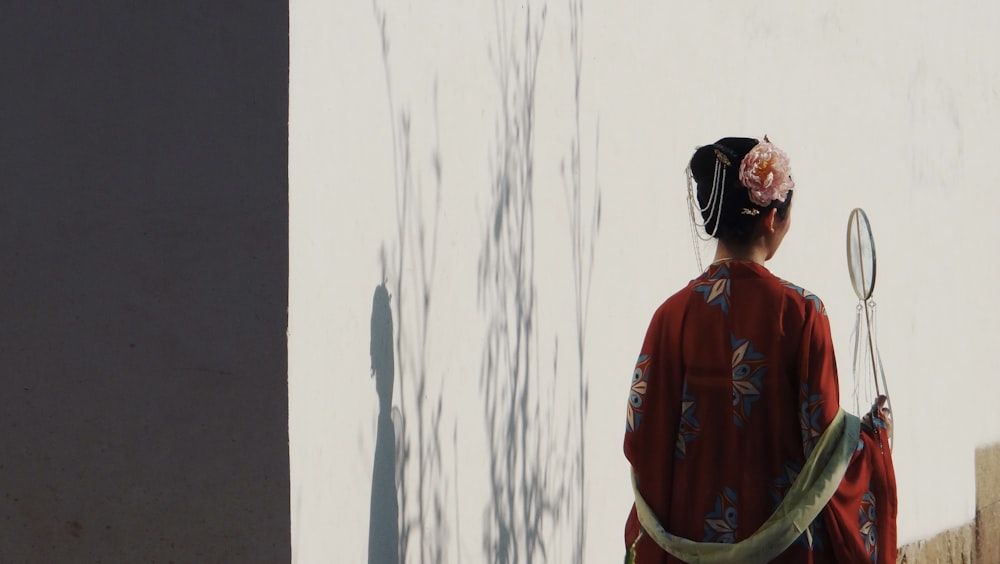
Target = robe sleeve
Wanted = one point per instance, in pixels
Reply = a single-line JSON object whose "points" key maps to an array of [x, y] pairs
{"points": [[819, 388], [650, 433], [860, 519]]}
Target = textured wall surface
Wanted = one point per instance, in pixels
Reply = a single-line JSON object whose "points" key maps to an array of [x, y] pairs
{"points": [[988, 504], [487, 203], [143, 238], [954, 546]]}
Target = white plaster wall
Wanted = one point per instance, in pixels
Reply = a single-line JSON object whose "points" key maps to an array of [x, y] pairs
{"points": [[891, 107]]}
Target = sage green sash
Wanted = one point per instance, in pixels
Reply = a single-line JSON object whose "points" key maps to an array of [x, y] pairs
{"points": [[813, 488]]}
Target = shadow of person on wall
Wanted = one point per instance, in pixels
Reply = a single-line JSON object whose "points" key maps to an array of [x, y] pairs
{"points": [[383, 524]]}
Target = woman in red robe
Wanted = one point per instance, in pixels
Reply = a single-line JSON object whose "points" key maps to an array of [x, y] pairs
{"points": [[735, 385]]}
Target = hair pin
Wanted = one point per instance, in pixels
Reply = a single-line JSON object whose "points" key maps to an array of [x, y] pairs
{"points": [[721, 157], [749, 211]]}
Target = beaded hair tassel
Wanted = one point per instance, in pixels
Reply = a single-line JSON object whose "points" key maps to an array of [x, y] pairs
{"points": [[713, 206]]}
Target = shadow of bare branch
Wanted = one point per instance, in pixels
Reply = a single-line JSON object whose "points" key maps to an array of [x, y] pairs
{"points": [[423, 532], [582, 243], [522, 449]]}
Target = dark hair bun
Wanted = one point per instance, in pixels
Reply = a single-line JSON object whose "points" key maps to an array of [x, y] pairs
{"points": [[733, 223]]}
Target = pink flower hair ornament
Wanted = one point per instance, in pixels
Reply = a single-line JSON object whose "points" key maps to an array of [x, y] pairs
{"points": [[766, 173]]}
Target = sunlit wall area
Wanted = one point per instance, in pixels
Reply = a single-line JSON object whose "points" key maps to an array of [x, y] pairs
{"points": [[487, 203]]}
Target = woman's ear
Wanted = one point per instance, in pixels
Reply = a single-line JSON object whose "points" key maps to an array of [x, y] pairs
{"points": [[769, 219]]}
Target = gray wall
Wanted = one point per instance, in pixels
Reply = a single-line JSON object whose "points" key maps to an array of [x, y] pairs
{"points": [[143, 282]]}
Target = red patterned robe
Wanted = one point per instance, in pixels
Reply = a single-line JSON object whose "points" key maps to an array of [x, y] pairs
{"points": [[735, 383]]}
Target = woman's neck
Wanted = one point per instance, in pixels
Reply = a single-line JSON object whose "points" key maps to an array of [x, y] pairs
{"points": [[747, 252]]}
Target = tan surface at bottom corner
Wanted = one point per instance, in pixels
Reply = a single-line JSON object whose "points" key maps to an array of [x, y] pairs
{"points": [[988, 504], [950, 547], [988, 535]]}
